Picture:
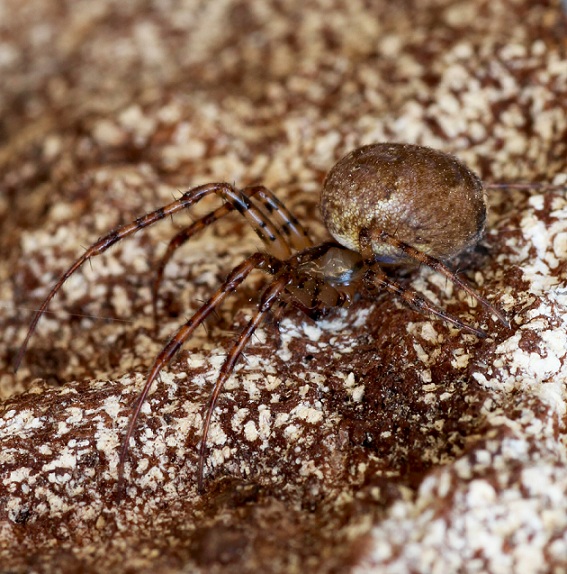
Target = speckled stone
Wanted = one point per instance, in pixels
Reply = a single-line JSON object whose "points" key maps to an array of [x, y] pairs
{"points": [[375, 440]]}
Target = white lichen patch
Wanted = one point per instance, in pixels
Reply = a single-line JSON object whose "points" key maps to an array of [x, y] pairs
{"points": [[21, 423], [65, 459], [357, 393], [293, 433], [151, 477], [307, 413], [264, 422], [281, 419], [134, 120], [481, 519], [354, 391], [238, 418], [19, 475], [543, 237], [107, 440], [308, 468], [250, 431], [75, 415], [121, 301], [312, 331], [251, 388], [45, 449], [216, 435], [461, 359], [540, 371], [219, 456]]}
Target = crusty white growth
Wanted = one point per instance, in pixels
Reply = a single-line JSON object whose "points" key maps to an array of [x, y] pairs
{"points": [[113, 109], [513, 526]]}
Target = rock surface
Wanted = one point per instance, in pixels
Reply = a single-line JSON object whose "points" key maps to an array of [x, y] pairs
{"points": [[376, 440]]}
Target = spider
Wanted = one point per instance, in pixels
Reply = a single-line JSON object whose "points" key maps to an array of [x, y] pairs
{"points": [[386, 203]]}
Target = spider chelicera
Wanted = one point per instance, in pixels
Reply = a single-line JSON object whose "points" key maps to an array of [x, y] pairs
{"points": [[384, 203]]}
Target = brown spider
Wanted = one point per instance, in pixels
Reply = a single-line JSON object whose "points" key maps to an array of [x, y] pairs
{"points": [[383, 203]]}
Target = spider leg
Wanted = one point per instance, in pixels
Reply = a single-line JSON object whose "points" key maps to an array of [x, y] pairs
{"points": [[270, 296], [180, 238], [288, 224], [286, 274], [319, 309], [259, 220], [234, 279], [440, 267], [375, 276], [289, 230], [256, 216]]}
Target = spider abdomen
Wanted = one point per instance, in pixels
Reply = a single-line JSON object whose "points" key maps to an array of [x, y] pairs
{"points": [[423, 197]]}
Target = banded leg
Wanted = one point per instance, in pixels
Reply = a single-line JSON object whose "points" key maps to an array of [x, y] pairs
{"points": [[289, 225], [289, 228], [259, 220], [440, 267], [270, 296], [180, 238], [375, 277], [234, 279], [224, 190]]}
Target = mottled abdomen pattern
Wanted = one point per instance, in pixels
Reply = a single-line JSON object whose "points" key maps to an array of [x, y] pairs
{"points": [[419, 195]]}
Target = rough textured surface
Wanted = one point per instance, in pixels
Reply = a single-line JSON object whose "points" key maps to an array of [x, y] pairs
{"points": [[376, 440]]}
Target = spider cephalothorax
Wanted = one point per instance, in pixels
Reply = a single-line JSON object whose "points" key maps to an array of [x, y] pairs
{"points": [[383, 203]]}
